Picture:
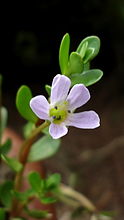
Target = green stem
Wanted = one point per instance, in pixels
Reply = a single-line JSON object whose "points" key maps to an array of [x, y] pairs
{"points": [[23, 156]]}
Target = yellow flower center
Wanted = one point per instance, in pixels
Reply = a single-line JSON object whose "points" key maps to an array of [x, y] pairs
{"points": [[59, 113]]}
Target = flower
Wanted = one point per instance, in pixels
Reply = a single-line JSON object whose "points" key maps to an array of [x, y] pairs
{"points": [[60, 110]]}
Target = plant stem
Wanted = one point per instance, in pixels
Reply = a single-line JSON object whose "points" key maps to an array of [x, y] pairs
{"points": [[76, 197], [23, 156]]}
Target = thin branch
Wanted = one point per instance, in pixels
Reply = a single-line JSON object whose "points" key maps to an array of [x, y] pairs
{"points": [[77, 197], [23, 156]]}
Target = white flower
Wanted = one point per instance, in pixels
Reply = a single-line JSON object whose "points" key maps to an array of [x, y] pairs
{"points": [[60, 110]]}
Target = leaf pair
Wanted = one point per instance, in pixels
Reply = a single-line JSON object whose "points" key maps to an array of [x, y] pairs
{"points": [[43, 186], [39, 189], [86, 51], [76, 65], [89, 48]]}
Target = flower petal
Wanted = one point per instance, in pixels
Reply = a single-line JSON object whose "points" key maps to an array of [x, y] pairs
{"points": [[78, 96], [40, 107], [57, 130], [55, 79], [87, 120], [60, 88]]}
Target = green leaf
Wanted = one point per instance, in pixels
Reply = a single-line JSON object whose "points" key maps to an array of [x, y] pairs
{"points": [[86, 66], [44, 148], [6, 147], [34, 179], [83, 49], [23, 98], [53, 181], [6, 193], [48, 200], [87, 77], [48, 89], [75, 63], [23, 196], [28, 128], [64, 53], [38, 184], [88, 55], [37, 213], [2, 214], [92, 47], [4, 117], [12, 163]]}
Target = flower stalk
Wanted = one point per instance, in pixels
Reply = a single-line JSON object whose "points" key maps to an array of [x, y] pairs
{"points": [[23, 156]]}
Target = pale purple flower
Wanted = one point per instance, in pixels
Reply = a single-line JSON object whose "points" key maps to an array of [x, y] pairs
{"points": [[60, 110]]}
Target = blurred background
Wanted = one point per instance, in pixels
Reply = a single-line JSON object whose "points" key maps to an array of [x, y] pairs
{"points": [[30, 36]]}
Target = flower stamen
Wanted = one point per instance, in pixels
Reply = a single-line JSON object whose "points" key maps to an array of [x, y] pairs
{"points": [[54, 117], [58, 113]]}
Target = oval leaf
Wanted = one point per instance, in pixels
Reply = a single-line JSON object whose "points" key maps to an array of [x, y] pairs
{"points": [[83, 49], [23, 196], [43, 148], [93, 46], [89, 54], [87, 78], [12, 163], [53, 181], [64, 53], [23, 98], [35, 181], [75, 63]]}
